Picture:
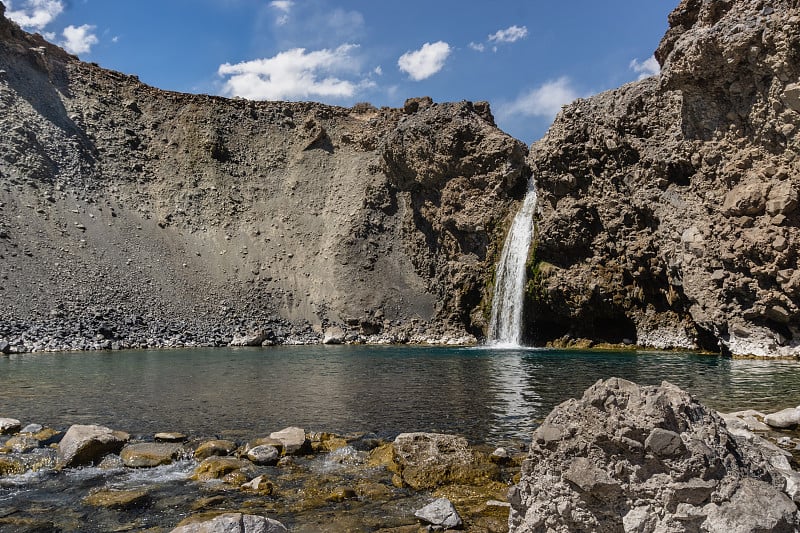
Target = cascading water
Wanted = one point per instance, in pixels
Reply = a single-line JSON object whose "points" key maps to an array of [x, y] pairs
{"points": [[505, 328]]}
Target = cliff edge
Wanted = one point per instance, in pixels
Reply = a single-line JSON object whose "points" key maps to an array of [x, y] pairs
{"points": [[132, 216], [668, 212]]}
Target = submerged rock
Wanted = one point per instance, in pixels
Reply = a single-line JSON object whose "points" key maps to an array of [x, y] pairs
{"points": [[149, 454], [169, 436], [217, 468], [214, 447], [231, 523], [21, 444], [646, 459], [428, 460], [83, 445], [117, 499]]}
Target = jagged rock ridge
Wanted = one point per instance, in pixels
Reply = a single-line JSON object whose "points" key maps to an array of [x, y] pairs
{"points": [[124, 209], [669, 207]]}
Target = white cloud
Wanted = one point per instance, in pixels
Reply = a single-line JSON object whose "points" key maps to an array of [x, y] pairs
{"points": [[645, 69], [296, 74], [378, 70], [282, 5], [478, 47], [79, 39], [35, 14], [425, 62], [544, 101], [509, 35]]}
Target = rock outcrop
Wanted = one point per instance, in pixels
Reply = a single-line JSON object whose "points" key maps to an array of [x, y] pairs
{"points": [[668, 208], [646, 459], [131, 216]]}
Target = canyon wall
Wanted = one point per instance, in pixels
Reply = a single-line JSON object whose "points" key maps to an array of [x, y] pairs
{"points": [[148, 217], [668, 210]]}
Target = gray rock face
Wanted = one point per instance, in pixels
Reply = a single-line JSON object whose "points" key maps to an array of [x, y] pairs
{"points": [[647, 459], [233, 523], [252, 339], [293, 439], [83, 445], [786, 418], [263, 455], [440, 513], [9, 425], [664, 217]]}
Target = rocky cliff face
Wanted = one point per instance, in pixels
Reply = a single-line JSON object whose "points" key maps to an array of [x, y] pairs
{"points": [[669, 207], [140, 215]]}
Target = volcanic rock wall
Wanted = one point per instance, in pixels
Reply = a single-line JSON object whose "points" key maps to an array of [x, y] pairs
{"points": [[128, 209], [669, 207]]}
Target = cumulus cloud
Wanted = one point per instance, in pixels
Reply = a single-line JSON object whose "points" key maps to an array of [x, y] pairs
{"points": [[35, 14], [296, 74], [543, 101], [478, 47], [509, 35], [645, 69], [425, 62], [79, 39]]}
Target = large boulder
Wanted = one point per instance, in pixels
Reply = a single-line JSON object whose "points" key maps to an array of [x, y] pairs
{"points": [[88, 444], [646, 459], [231, 523], [429, 460]]}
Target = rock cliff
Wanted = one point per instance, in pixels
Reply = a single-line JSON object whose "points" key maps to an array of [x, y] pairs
{"points": [[131, 216], [668, 210]]}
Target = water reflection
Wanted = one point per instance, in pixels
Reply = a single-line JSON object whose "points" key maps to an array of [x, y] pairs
{"points": [[484, 394]]}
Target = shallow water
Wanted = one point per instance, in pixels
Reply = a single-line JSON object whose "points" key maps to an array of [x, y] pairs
{"points": [[484, 394], [488, 395]]}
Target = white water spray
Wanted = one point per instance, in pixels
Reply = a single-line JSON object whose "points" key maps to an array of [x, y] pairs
{"points": [[505, 328]]}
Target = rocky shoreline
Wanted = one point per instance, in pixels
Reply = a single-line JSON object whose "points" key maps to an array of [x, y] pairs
{"points": [[117, 330], [622, 458]]}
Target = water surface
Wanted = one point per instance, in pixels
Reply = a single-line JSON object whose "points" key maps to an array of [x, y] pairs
{"points": [[483, 394]]}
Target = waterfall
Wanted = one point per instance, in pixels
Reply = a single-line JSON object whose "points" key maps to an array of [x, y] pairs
{"points": [[505, 328]]}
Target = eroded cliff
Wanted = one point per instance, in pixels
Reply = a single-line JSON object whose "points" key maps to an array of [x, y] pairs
{"points": [[132, 216], [669, 207]]}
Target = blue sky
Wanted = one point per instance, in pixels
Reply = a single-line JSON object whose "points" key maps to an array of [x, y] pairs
{"points": [[525, 57]]}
